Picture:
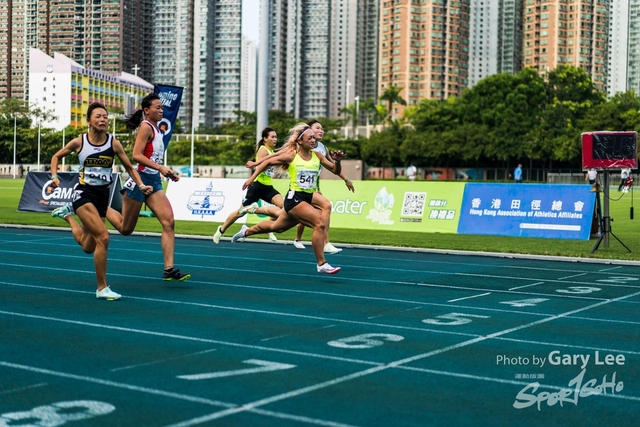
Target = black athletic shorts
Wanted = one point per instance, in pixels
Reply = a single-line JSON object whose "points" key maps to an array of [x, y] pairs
{"points": [[294, 198], [257, 191], [98, 196]]}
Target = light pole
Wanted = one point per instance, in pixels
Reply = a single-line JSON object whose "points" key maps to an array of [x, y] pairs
{"points": [[262, 108], [63, 144], [39, 146], [357, 99], [15, 121], [346, 105]]}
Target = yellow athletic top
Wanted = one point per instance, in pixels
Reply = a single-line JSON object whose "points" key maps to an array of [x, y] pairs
{"points": [[266, 176], [303, 174]]}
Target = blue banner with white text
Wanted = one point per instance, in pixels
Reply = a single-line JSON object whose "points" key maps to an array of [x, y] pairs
{"points": [[171, 96], [527, 210]]}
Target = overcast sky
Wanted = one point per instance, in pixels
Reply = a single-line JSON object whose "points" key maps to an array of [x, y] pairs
{"points": [[251, 19]]}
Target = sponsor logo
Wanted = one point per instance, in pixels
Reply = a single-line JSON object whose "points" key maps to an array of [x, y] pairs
{"points": [[164, 126], [381, 211], [347, 206], [206, 202]]}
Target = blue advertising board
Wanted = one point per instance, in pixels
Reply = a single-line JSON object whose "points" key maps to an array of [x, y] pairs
{"points": [[527, 210]]}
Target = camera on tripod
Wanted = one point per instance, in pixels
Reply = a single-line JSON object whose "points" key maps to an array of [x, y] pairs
{"points": [[606, 151]]}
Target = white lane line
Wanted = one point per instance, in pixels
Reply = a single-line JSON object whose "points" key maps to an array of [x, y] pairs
{"points": [[395, 311], [526, 286], [573, 275], [129, 276], [306, 276], [610, 268], [196, 241], [167, 394], [356, 375], [297, 333], [425, 304], [18, 390], [473, 296], [155, 362], [293, 315], [189, 338], [293, 352]]}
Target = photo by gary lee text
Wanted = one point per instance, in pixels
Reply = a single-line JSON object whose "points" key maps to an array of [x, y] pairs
{"points": [[557, 358]]}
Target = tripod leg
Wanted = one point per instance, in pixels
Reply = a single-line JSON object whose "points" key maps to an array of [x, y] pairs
{"points": [[595, 248], [616, 237]]}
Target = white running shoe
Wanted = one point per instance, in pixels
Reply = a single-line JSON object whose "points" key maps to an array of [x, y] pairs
{"points": [[327, 269], [240, 234], [248, 209], [298, 244], [107, 294], [272, 237], [217, 235], [330, 249], [61, 212]]}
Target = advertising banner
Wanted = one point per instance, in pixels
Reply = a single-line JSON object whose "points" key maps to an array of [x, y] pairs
{"points": [[426, 207], [39, 196], [202, 199], [171, 96], [528, 210]]}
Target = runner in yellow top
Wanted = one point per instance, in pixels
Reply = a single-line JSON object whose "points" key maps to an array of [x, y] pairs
{"points": [[304, 168], [262, 188]]}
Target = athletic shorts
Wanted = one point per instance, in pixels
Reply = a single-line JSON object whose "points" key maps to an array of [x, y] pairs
{"points": [[152, 179], [257, 191], [98, 196], [294, 198]]}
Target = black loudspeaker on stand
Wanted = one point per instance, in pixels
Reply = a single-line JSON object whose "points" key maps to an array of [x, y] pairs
{"points": [[605, 220]]}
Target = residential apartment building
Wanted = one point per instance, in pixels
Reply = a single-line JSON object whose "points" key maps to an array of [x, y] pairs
{"points": [[248, 79], [319, 61], [495, 38], [634, 46], [102, 35], [366, 52], [65, 88], [568, 32], [624, 47], [197, 46], [424, 49]]}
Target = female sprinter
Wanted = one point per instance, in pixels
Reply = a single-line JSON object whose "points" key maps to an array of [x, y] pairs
{"points": [[303, 165], [318, 130], [148, 151], [96, 151], [261, 189]]}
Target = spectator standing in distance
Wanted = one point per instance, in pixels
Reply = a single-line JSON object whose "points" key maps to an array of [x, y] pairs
{"points": [[517, 174], [411, 172]]}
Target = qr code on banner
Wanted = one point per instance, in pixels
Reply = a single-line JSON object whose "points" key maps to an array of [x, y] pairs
{"points": [[413, 204]]}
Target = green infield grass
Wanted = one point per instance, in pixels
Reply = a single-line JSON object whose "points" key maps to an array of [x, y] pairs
{"points": [[626, 229]]}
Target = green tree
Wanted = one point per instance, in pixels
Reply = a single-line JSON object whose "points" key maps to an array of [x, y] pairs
{"points": [[392, 96], [570, 95], [382, 148]]}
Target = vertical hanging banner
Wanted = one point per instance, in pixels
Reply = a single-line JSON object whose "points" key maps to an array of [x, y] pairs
{"points": [[171, 96]]}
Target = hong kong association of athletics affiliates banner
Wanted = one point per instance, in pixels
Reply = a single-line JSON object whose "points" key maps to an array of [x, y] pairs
{"points": [[39, 196], [529, 210]]}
